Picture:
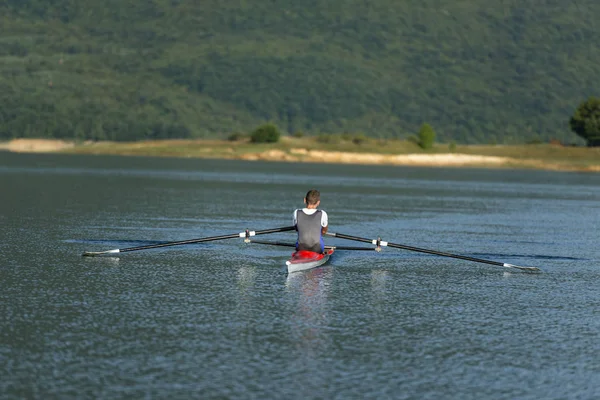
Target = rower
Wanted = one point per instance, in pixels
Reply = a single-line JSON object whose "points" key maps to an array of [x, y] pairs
{"points": [[311, 224]]}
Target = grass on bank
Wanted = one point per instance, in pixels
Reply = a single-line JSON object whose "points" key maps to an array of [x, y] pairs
{"points": [[206, 148], [527, 155]]}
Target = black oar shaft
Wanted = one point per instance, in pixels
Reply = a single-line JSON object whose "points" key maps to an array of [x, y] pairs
{"points": [[437, 253], [353, 248], [401, 246], [294, 245], [441, 253], [342, 236], [274, 243], [192, 241], [181, 242]]}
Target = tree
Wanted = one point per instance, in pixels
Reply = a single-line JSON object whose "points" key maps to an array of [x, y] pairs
{"points": [[267, 133], [586, 121], [426, 136]]}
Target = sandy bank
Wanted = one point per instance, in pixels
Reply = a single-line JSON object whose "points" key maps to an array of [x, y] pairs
{"points": [[338, 157], [36, 145]]}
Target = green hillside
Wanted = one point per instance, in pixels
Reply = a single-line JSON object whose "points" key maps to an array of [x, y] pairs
{"points": [[477, 71]]}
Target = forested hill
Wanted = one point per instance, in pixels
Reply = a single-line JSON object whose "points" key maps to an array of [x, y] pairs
{"points": [[478, 71]]}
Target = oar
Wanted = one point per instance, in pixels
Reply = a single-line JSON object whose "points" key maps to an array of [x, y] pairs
{"points": [[378, 243], [283, 244], [246, 234]]}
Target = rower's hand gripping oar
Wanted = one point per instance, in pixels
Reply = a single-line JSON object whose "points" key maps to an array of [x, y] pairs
{"points": [[379, 243], [246, 234]]}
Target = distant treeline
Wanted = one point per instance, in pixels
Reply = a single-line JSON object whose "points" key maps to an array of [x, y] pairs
{"points": [[477, 71]]}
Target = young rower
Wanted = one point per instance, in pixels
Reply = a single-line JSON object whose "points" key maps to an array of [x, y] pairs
{"points": [[311, 224]]}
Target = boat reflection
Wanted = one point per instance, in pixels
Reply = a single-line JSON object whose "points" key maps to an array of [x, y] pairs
{"points": [[310, 320]]}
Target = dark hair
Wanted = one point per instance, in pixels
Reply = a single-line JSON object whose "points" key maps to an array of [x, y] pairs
{"points": [[313, 196]]}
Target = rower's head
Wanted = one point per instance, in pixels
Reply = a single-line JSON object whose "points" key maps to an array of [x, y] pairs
{"points": [[312, 198]]}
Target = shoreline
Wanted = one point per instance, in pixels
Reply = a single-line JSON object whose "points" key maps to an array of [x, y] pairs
{"points": [[227, 150], [446, 160], [36, 145]]}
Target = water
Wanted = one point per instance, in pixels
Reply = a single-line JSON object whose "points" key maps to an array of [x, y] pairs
{"points": [[224, 320]]}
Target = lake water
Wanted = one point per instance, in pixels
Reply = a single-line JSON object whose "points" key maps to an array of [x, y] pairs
{"points": [[224, 320]]}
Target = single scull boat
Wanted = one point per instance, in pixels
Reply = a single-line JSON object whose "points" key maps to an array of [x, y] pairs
{"points": [[303, 260]]}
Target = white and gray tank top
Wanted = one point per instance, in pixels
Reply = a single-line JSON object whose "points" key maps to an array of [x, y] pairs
{"points": [[309, 230]]}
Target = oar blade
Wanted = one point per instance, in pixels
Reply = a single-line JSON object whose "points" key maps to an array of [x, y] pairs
{"points": [[528, 269], [99, 253]]}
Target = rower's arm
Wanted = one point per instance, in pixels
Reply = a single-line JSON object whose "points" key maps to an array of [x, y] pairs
{"points": [[324, 220]]}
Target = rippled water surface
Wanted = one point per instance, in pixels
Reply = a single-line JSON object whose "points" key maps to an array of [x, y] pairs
{"points": [[224, 320]]}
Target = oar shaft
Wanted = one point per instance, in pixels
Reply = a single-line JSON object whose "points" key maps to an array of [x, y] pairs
{"points": [[274, 243], [353, 248], [356, 238], [437, 253], [294, 245], [411, 248], [192, 241], [181, 242], [443, 254]]}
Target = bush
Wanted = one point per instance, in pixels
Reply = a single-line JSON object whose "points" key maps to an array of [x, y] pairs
{"points": [[452, 146], [426, 136], [298, 134], [267, 133], [359, 139], [586, 121]]}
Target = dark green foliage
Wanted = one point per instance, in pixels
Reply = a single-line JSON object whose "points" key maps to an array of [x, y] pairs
{"points": [[267, 133], [128, 70], [359, 138], [586, 121], [426, 136]]}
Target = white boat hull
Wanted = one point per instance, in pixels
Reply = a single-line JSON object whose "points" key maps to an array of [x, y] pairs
{"points": [[305, 260]]}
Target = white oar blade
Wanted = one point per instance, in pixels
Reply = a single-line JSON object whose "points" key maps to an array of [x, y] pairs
{"points": [[99, 253], [530, 269]]}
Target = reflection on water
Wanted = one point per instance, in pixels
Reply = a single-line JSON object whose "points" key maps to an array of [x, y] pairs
{"points": [[105, 261], [311, 288]]}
